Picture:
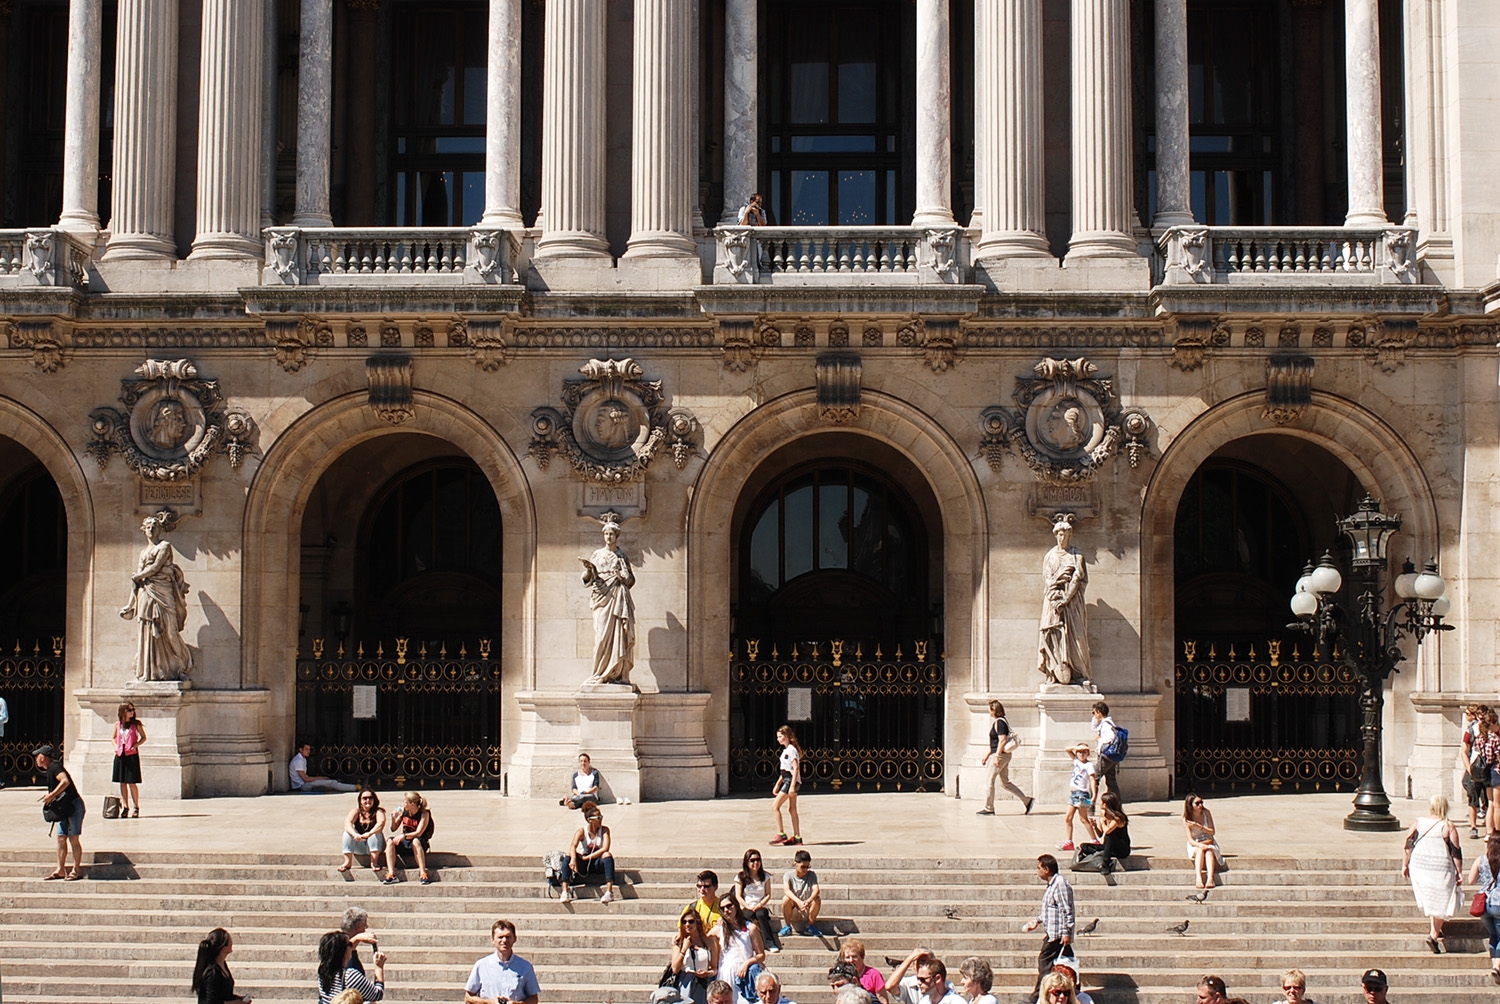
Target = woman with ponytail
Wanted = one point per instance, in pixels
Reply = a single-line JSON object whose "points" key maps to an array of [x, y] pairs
{"points": [[212, 980]]}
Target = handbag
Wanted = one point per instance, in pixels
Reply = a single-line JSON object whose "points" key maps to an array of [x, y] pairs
{"points": [[1480, 904], [50, 814], [112, 807]]}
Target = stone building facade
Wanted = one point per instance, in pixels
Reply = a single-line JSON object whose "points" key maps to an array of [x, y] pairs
{"points": [[390, 304]]}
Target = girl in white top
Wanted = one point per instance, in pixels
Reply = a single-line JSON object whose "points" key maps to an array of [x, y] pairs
{"points": [[590, 853], [742, 953], [695, 957], [752, 890], [1202, 845], [787, 784]]}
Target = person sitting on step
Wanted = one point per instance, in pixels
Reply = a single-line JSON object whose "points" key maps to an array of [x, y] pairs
{"points": [[364, 832], [802, 898], [590, 855], [412, 828], [1115, 827], [302, 781], [584, 786]]}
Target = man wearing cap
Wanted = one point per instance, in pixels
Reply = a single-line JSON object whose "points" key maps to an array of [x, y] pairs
{"points": [[841, 974], [1375, 985], [63, 799]]}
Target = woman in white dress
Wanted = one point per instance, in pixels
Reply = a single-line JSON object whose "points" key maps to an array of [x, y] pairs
{"points": [[1202, 845], [1433, 862], [742, 952], [695, 957]]}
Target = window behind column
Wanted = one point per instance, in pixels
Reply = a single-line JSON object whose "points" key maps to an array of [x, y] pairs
{"points": [[837, 83], [439, 52]]}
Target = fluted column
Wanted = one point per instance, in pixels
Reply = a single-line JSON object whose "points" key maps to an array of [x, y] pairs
{"points": [[145, 147], [661, 153], [934, 117], [573, 130], [229, 135], [80, 203], [1102, 199], [741, 106], [268, 118], [1174, 199], [502, 129], [314, 114], [1366, 153], [1008, 112]]}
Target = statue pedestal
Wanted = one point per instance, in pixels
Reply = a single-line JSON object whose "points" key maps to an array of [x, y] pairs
{"points": [[196, 740], [1065, 718], [606, 732]]}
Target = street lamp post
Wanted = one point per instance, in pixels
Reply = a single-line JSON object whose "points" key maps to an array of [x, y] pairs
{"points": [[1372, 644]]}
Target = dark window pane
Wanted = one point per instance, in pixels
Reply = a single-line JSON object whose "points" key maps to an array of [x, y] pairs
{"points": [[765, 548], [857, 198], [799, 531], [858, 43], [809, 198], [807, 53], [833, 525]]}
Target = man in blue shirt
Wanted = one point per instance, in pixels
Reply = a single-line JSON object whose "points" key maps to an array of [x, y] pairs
{"points": [[502, 978]]}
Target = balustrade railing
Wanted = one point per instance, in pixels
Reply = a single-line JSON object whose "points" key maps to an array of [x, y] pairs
{"points": [[862, 255], [327, 256], [1275, 255], [43, 257]]}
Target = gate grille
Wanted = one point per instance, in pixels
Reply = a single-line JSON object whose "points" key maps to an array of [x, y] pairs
{"points": [[32, 683], [876, 725], [1302, 732], [437, 721]]}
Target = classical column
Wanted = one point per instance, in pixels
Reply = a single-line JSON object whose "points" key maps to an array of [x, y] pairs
{"points": [[1102, 198], [1009, 153], [1362, 73], [661, 153], [80, 204], [268, 119], [229, 136], [363, 48], [314, 114], [934, 117], [145, 148], [502, 130], [1174, 200], [741, 106], [573, 130]]}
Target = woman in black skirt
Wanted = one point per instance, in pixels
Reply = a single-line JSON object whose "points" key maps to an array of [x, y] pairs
{"points": [[129, 734]]}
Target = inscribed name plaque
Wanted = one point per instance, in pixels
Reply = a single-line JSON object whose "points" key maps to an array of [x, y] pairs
{"points": [[364, 701], [1236, 704], [799, 704], [182, 496], [628, 500]]}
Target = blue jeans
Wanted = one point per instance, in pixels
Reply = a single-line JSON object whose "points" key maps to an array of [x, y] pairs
{"points": [[72, 826], [1492, 930], [605, 864], [375, 845]]}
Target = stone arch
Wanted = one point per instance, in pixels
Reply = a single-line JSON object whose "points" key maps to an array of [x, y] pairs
{"points": [[960, 499], [26, 427], [1374, 452], [272, 532]]}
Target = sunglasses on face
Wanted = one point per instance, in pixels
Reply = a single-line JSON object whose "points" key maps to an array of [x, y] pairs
{"points": [[1059, 992]]}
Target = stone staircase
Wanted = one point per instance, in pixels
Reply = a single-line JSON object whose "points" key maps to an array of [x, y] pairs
{"points": [[128, 933]]}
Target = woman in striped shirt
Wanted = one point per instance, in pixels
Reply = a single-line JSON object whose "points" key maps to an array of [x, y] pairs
{"points": [[335, 974]]}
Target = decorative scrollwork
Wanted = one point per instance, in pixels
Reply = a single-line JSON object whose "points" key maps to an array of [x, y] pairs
{"points": [[171, 425]]}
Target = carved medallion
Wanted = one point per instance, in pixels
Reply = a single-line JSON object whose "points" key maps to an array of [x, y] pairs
{"points": [[1069, 422], [614, 425], [171, 425]]}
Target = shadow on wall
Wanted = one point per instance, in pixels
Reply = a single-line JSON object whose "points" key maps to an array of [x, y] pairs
{"points": [[666, 655], [218, 633], [1110, 635]]}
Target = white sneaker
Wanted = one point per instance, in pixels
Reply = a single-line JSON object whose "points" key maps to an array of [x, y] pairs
{"points": [[566, 896], [608, 897]]}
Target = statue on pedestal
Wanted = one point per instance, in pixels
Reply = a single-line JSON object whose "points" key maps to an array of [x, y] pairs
{"points": [[158, 601], [1063, 643], [609, 577]]}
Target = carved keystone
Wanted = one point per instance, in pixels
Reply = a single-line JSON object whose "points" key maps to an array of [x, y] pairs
{"points": [[838, 380], [389, 379]]}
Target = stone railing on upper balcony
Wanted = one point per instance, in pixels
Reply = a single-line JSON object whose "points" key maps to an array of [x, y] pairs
{"points": [[43, 257], [1268, 256], [375, 256], [818, 256]]}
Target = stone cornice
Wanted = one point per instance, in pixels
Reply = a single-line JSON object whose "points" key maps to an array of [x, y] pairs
{"points": [[385, 301], [847, 300]]}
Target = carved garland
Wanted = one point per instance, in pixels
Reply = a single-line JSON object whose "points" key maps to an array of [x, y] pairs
{"points": [[170, 427]]}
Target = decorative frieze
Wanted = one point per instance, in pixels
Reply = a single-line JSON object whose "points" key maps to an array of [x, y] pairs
{"points": [[389, 379], [838, 382], [1078, 337], [738, 336], [613, 424], [171, 424], [939, 339], [1288, 388], [1068, 424], [291, 339], [42, 339], [1397, 334], [486, 338], [598, 337]]}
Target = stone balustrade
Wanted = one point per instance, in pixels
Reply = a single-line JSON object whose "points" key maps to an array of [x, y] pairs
{"points": [[354, 256], [43, 257], [1333, 256], [833, 255]]}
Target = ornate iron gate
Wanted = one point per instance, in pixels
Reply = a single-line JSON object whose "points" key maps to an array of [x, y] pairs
{"points": [[1251, 724], [874, 723], [436, 717], [32, 684]]}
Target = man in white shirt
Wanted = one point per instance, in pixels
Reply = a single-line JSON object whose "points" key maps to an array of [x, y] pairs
{"points": [[303, 781], [1105, 769], [929, 985]]}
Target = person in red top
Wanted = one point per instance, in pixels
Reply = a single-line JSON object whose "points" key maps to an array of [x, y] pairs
{"points": [[129, 735], [412, 827]]}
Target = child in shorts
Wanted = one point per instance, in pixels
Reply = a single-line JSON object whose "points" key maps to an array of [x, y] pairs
{"points": [[1080, 795]]}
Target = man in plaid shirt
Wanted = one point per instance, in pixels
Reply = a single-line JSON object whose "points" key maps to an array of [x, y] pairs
{"points": [[1056, 917]]}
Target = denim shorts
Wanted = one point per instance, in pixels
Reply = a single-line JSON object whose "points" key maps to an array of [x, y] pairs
{"points": [[73, 825], [1081, 799]]}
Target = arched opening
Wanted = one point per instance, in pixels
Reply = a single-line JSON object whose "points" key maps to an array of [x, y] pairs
{"points": [[33, 609], [1256, 712], [398, 676], [837, 620]]}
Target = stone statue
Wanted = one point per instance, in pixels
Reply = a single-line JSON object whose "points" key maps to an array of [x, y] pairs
{"points": [[608, 575], [158, 601], [1063, 643]]}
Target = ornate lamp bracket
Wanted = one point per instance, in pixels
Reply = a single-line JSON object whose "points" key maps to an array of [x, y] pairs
{"points": [[613, 424], [1068, 422]]}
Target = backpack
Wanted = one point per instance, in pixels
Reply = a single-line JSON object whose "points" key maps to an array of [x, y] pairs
{"points": [[1118, 748], [552, 863]]}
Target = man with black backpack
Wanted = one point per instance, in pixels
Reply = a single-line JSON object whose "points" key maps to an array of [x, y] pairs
{"points": [[1114, 743], [63, 806]]}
